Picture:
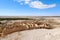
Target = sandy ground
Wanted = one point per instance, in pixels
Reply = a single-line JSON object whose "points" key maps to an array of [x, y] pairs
{"points": [[36, 34]]}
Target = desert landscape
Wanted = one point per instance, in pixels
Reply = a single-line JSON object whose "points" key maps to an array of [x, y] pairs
{"points": [[29, 19], [30, 28]]}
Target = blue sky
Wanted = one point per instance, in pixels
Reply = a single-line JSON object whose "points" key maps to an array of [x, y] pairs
{"points": [[29, 7]]}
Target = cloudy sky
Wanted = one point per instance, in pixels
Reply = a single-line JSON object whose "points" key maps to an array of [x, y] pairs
{"points": [[29, 7]]}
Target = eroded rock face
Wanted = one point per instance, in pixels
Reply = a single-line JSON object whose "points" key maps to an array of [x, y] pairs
{"points": [[8, 28]]}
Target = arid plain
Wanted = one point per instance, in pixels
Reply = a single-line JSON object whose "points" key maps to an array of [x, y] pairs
{"points": [[25, 27]]}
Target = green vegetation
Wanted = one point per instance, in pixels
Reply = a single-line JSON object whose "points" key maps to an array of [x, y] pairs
{"points": [[15, 19]]}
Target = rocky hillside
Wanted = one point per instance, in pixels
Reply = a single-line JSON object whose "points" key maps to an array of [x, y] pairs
{"points": [[10, 26]]}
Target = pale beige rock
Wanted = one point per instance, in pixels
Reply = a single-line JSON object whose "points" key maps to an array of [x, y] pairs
{"points": [[36, 34]]}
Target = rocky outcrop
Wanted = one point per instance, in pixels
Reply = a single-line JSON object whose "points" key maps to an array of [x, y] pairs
{"points": [[24, 25]]}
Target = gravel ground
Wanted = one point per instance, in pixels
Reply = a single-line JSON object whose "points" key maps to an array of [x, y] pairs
{"points": [[36, 34]]}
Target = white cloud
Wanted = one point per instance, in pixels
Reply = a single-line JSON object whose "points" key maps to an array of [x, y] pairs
{"points": [[36, 4], [40, 5], [25, 1]]}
